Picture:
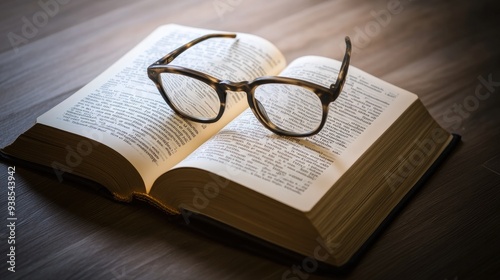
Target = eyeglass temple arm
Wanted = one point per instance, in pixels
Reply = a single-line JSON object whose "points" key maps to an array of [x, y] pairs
{"points": [[339, 84], [173, 54]]}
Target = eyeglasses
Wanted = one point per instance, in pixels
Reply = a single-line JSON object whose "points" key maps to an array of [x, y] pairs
{"points": [[286, 106]]}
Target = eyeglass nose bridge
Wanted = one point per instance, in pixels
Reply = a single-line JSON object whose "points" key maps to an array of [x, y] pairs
{"points": [[225, 85], [232, 86]]}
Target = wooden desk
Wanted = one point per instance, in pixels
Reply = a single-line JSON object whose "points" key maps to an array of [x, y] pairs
{"points": [[441, 51]]}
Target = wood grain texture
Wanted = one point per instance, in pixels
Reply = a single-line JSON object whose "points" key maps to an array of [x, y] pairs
{"points": [[439, 50]]}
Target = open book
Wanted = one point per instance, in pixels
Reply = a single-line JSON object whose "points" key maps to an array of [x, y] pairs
{"points": [[334, 189]]}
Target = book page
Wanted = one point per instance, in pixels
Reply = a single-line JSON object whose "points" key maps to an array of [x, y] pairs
{"points": [[123, 109], [299, 171]]}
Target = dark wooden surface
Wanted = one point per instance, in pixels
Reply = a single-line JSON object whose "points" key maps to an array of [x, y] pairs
{"points": [[437, 49]]}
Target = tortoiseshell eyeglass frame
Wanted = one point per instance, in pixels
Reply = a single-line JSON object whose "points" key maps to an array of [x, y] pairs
{"points": [[326, 95]]}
